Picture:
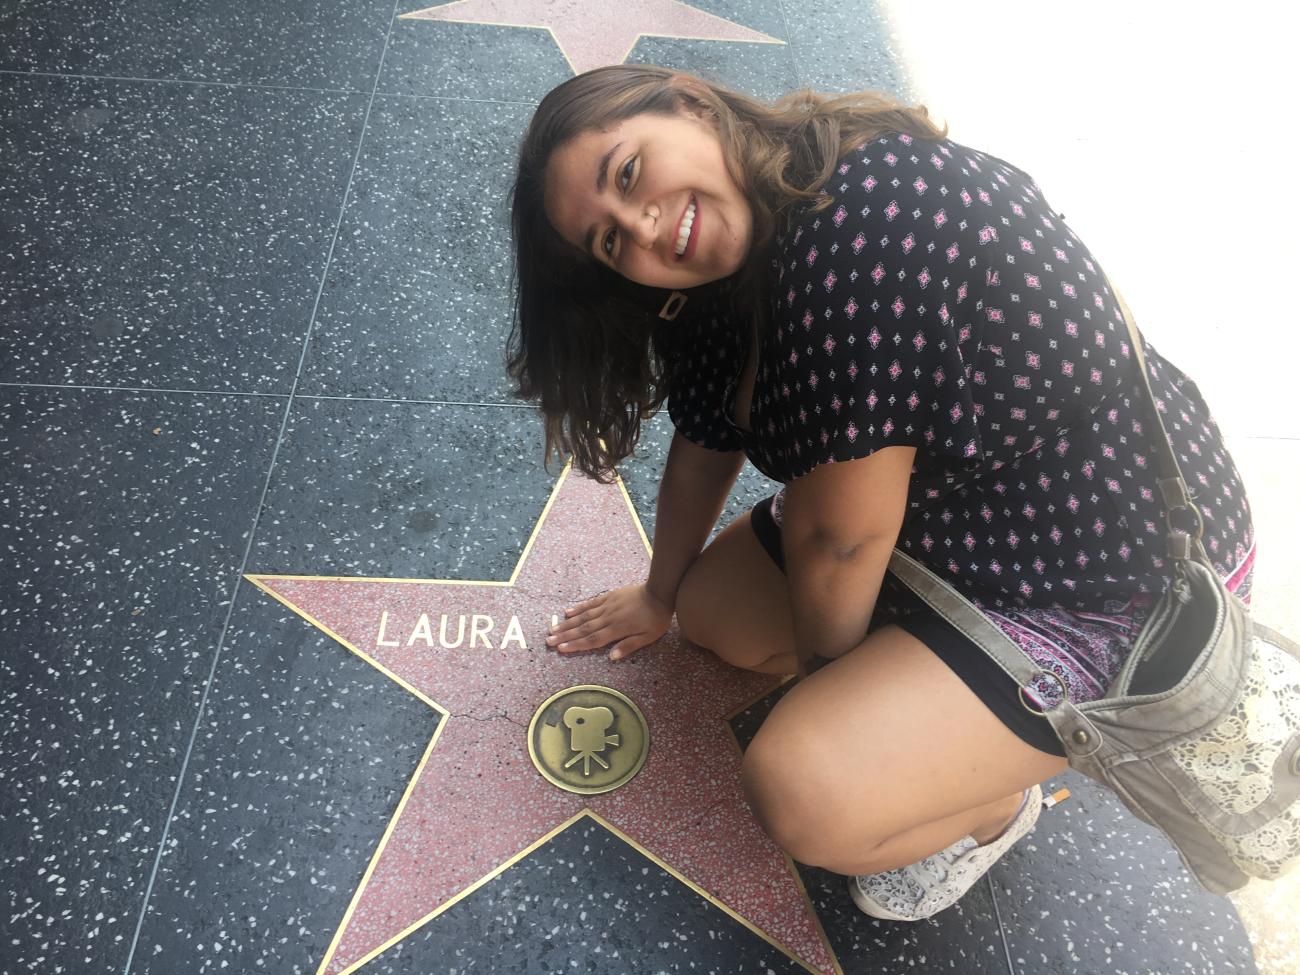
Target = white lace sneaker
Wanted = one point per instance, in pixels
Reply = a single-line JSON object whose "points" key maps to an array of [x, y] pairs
{"points": [[922, 889]]}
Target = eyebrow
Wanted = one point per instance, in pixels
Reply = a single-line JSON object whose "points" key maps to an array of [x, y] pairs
{"points": [[602, 177]]}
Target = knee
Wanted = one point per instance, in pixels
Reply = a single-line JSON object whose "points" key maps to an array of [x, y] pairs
{"points": [[786, 785]]}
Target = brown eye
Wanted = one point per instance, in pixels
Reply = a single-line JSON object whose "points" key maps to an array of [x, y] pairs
{"points": [[607, 243], [625, 174]]}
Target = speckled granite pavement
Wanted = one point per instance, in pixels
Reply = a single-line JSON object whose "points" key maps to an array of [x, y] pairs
{"points": [[253, 269]]}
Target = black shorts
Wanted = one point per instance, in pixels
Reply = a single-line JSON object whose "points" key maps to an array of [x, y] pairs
{"points": [[990, 683]]}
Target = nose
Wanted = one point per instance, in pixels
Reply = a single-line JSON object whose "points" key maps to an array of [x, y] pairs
{"points": [[641, 225]]}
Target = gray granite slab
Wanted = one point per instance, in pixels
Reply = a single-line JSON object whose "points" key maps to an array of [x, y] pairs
{"points": [[305, 748], [123, 521], [305, 43], [417, 301], [161, 235], [1094, 889], [842, 46], [585, 901]]}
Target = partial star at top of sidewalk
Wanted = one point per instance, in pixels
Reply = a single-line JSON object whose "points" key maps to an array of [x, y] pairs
{"points": [[594, 33]]}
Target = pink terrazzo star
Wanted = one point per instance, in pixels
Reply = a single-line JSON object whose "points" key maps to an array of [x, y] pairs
{"points": [[593, 33], [476, 653]]}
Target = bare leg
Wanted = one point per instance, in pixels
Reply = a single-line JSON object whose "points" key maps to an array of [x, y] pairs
{"points": [[883, 757], [910, 762]]}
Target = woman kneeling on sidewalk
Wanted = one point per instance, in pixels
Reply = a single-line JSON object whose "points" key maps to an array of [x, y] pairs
{"points": [[902, 332]]}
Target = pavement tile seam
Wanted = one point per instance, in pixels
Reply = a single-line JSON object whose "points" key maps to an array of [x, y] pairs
{"points": [[176, 81], [253, 85], [141, 389], [417, 402], [257, 513], [1002, 928], [296, 396], [795, 60]]}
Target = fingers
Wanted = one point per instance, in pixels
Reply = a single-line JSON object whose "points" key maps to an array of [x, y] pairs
{"points": [[579, 632]]}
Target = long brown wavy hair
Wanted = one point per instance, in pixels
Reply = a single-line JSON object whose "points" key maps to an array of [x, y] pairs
{"points": [[586, 343]]}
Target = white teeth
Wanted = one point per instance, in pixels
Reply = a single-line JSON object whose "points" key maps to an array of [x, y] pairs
{"points": [[684, 231]]}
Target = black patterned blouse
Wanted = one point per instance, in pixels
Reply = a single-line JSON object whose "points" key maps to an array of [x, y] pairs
{"points": [[939, 302]]}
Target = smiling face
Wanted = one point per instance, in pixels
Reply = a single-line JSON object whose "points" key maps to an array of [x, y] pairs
{"points": [[652, 198]]}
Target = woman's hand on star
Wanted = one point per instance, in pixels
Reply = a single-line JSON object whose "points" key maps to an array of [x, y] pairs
{"points": [[630, 618]]}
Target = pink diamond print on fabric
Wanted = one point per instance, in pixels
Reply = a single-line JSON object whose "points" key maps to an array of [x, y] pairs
{"points": [[807, 319], [878, 273], [851, 431], [869, 183], [893, 210], [851, 309], [955, 413], [952, 253], [920, 186], [923, 279], [829, 281], [918, 340], [853, 370], [888, 427], [940, 219], [859, 242], [873, 337], [895, 370], [898, 307], [829, 345], [935, 161], [872, 400], [811, 258], [913, 401], [840, 215], [909, 242], [890, 159]]}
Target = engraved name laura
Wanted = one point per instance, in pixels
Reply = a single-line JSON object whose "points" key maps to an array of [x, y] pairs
{"points": [[449, 631]]}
